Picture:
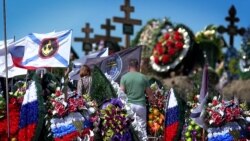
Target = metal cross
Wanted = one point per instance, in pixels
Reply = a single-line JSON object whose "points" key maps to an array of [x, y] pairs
{"points": [[232, 30]]}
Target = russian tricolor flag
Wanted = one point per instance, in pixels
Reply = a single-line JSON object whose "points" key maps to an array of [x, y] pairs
{"points": [[29, 114], [171, 117]]}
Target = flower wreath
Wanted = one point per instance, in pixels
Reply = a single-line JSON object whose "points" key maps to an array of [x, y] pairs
{"points": [[14, 114], [137, 123], [115, 121], [171, 47], [147, 36], [156, 115]]}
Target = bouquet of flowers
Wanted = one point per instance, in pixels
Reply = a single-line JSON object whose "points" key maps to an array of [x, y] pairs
{"points": [[220, 112], [209, 34], [72, 117], [156, 111], [114, 121], [211, 43], [61, 106], [19, 91], [15, 102]]}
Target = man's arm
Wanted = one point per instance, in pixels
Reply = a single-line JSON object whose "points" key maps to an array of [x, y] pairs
{"points": [[122, 87]]}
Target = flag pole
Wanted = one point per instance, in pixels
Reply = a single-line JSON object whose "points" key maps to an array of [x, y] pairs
{"points": [[6, 67]]}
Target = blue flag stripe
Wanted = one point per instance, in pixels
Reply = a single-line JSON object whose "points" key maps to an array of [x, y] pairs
{"points": [[61, 59], [172, 115], [17, 51], [27, 115], [34, 39], [65, 35]]}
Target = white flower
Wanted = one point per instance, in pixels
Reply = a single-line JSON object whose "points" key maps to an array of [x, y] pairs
{"points": [[91, 110]]}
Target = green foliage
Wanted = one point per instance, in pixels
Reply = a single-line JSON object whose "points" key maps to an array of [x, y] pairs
{"points": [[182, 108], [233, 66], [41, 108], [245, 75], [101, 88], [213, 79]]}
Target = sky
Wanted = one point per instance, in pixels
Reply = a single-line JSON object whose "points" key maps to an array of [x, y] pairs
{"points": [[43, 16]]}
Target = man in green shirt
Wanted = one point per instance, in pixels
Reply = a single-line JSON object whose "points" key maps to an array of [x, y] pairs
{"points": [[135, 85]]}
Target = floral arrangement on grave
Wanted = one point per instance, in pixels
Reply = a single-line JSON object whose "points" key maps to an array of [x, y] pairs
{"points": [[71, 117], [146, 37], [156, 112], [115, 121], [15, 102], [136, 122], [219, 112], [171, 47], [211, 43]]}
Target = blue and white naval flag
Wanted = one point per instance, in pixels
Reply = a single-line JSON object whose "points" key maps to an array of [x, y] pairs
{"points": [[12, 70], [42, 50]]}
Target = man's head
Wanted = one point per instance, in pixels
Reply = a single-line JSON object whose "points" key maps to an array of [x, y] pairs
{"points": [[133, 64]]}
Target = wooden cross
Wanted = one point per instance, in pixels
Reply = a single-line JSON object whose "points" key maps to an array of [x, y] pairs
{"points": [[231, 29], [87, 41], [108, 27], [127, 21]]}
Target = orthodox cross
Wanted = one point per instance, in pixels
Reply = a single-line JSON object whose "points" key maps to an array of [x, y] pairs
{"points": [[231, 29], [87, 41], [127, 22], [108, 27]]}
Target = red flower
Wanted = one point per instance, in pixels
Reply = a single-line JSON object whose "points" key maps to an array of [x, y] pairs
{"points": [[58, 93], [217, 118], [179, 45], [177, 36], [167, 35], [215, 102], [159, 48], [165, 59], [170, 44], [171, 51], [13, 101], [156, 60], [229, 114]]}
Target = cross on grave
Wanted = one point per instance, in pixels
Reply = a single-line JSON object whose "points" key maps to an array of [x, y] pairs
{"points": [[127, 22], [108, 27], [232, 30], [87, 41]]}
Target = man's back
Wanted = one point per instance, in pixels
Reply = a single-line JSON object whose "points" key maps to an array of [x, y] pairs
{"points": [[135, 84]]}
